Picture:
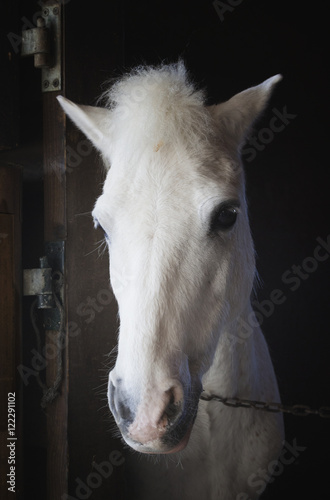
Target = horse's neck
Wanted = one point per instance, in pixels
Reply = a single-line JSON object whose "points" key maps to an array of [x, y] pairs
{"points": [[241, 362]]}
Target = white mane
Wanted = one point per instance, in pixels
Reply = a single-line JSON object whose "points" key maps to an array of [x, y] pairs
{"points": [[152, 102]]}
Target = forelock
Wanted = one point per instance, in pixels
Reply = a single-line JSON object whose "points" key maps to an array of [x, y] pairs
{"points": [[159, 104]]}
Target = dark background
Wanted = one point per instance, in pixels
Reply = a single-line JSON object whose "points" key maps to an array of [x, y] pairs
{"points": [[287, 182]]}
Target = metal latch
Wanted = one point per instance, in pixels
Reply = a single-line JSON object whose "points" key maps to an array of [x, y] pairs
{"points": [[39, 282], [46, 282], [44, 43]]}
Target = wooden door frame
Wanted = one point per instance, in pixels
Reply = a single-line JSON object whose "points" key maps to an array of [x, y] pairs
{"points": [[10, 332], [55, 229]]}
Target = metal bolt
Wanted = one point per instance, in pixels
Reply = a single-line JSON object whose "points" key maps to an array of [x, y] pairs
{"points": [[46, 84], [56, 82], [55, 11], [45, 12]]}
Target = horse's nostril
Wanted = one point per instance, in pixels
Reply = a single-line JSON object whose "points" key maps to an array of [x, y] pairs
{"points": [[173, 407], [171, 411], [125, 412]]}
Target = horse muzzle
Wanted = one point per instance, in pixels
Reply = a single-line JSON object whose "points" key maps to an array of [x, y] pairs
{"points": [[161, 422]]}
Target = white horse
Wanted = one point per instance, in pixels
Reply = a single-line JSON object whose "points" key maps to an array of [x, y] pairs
{"points": [[182, 266]]}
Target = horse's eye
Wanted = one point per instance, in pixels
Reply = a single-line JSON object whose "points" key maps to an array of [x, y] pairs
{"points": [[224, 218]]}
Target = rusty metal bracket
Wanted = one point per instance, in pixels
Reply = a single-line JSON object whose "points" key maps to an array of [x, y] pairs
{"points": [[46, 283], [44, 43], [35, 42], [38, 282]]}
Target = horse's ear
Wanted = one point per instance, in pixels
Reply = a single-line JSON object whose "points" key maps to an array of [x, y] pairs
{"points": [[93, 121], [236, 116]]}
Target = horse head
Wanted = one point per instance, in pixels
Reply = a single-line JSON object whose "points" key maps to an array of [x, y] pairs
{"points": [[174, 213]]}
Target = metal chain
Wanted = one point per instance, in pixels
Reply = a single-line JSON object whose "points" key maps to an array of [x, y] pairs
{"points": [[297, 410]]}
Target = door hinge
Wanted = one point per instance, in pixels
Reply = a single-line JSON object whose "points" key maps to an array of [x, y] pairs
{"points": [[44, 43], [47, 283]]}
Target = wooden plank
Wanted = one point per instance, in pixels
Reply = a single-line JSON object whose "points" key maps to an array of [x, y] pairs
{"points": [[55, 229], [10, 334], [54, 168]]}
